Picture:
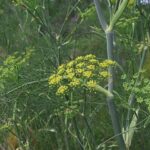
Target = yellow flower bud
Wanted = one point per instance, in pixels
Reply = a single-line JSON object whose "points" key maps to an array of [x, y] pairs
{"points": [[62, 90], [91, 84]]}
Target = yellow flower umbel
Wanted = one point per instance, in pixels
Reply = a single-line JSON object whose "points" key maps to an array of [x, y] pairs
{"points": [[87, 74], [75, 82], [80, 58], [61, 71], [80, 65], [91, 67], [69, 70], [83, 71], [91, 84], [70, 75], [104, 74], [93, 61], [54, 79], [61, 67], [90, 56], [79, 71], [62, 90], [70, 64]]}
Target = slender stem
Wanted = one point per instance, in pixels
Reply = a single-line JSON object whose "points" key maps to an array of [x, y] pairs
{"points": [[109, 8], [117, 5], [26, 84], [64, 133], [78, 134], [67, 15], [90, 131], [86, 121]]}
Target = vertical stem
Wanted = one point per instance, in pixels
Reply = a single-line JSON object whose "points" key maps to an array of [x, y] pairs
{"points": [[110, 102], [64, 140], [65, 136], [109, 36], [78, 134], [90, 131]]}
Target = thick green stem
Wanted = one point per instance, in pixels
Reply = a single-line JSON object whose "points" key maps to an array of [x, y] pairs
{"points": [[100, 89], [110, 102], [104, 91], [109, 36]]}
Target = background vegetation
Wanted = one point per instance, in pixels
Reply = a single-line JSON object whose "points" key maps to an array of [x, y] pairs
{"points": [[36, 38]]}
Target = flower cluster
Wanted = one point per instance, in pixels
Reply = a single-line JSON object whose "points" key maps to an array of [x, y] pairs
{"points": [[62, 89], [84, 71]]}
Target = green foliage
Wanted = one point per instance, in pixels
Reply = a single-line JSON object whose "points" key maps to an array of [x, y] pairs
{"points": [[89, 15], [60, 31], [147, 66], [11, 66], [141, 89]]}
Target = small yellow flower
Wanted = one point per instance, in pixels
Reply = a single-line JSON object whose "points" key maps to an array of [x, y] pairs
{"points": [[69, 70], [70, 64], [61, 67], [88, 74], [110, 62], [54, 79], [91, 67], [104, 74], [75, 82], [103, 65], [107, 63], [62, 90], [80, 58], [79, 71], [70, 75], [91, 84], [80, 65], [90, 56], [61, 71], [93, 61]]}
